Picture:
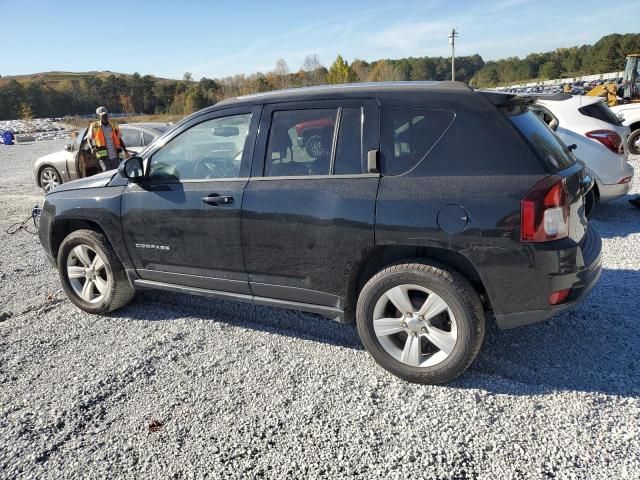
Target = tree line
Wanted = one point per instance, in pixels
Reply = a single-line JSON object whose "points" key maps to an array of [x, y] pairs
{"points": [[147, 94], [605, 56]]}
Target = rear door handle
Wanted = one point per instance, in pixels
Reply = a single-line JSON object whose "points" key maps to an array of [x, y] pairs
{"points": [[218, 199]]}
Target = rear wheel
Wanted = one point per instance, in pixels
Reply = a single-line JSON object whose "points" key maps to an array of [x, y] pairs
{"points": [[420, 322], [49, 179], [634, 142], [91, 273]]}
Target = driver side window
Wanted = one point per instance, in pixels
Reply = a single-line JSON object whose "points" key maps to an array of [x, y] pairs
{"points": [[209, 150]]}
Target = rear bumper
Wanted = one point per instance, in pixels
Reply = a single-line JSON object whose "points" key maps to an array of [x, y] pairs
{"points": [[609, 193], [581, 280]]}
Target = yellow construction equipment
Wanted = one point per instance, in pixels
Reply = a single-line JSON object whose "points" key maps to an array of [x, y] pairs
{"points": [[629, 91]]}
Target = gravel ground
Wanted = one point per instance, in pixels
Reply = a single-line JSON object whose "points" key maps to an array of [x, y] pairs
{"points": [[182, 387]]}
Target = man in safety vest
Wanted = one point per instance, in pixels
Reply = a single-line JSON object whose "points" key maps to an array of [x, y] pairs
{"points": [[106, 142]]}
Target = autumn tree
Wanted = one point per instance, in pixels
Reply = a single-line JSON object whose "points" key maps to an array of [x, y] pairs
{"points": [[127, 105], [382, 71], [340, 72], [361, 69], [312, 71], [281, 74], [25, 112]]}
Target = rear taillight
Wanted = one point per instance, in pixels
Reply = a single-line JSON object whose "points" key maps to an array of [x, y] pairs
{"points": [[544, 212], [609, 139]]}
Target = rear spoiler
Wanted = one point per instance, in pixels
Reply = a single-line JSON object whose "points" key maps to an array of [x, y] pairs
{"points": [[508, 101]]}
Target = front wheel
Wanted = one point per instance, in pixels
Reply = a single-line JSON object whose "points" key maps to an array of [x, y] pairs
{"points": [[634, 142], [49, 179], [91, 273], [421, 322]]}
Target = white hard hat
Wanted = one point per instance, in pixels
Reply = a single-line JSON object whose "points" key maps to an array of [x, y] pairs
{"points": [[101, 111]]}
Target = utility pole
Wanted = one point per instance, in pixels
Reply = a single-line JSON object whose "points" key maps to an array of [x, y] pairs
{"points": [[452, 42]]}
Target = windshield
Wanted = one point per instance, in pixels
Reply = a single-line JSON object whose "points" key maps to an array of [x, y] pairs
{"points": [[554, 155]]}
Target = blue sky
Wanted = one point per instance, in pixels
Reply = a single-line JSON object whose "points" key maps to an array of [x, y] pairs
{"points": [[221, 38]]}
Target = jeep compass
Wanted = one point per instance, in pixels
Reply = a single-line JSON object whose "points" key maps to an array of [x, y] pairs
{"points": [[417, 210]]}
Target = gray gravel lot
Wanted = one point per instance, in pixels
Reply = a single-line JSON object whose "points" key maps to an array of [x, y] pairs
{"points": [[245, 391]]}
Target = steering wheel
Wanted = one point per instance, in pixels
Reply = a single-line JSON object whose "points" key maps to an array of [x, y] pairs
{"points": [[210, 167]]}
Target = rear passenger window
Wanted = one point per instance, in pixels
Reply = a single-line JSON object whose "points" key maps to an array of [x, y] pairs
{"points": [[349, 148], [300, 142], [407, 135], [131, 137]]}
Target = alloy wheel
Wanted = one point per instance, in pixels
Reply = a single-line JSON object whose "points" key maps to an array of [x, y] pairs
{"points": [[49, 179], [415, 325], [314, 147], [87, 274]]}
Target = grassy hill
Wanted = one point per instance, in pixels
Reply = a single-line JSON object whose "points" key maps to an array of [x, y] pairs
{"points": [[51, 79]]}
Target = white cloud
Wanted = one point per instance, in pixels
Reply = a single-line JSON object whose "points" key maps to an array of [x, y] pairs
{"points": [[412, 35]]}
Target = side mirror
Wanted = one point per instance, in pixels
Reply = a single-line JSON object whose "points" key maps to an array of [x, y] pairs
{"points": [[68, 147], [132, 169]]}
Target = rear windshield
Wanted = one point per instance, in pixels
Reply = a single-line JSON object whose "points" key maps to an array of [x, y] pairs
{"points": [[600, 111], [553, 154]]}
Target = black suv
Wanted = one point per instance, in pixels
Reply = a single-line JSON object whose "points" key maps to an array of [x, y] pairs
{"points": [[421, 208]]}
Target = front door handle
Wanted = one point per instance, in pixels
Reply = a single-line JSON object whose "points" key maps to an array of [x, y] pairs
{"points": [[218, 199]]}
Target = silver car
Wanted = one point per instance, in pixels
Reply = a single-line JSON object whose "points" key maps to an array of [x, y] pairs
{"points": [[60, 167]]}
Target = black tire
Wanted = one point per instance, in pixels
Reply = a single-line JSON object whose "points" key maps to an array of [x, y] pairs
{"points": [[118, 290], [47, 177], [634, 141], [313, 146], [457, 293]]}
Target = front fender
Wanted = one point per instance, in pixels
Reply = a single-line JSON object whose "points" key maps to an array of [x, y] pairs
{"points": [[65, 211]]}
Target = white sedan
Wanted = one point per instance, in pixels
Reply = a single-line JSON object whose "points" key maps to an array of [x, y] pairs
{"points": [[599, 137]]}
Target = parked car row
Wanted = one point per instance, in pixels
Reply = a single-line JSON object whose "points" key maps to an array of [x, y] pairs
{"points": [[579, 87], [419, 209]]}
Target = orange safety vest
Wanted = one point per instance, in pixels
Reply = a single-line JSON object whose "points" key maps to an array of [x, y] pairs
{"points": [[97, 135]]}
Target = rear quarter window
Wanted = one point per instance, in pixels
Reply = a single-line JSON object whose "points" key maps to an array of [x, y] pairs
{"points": [[550, 150], [408, 134], [131, 137], [601, 112]]}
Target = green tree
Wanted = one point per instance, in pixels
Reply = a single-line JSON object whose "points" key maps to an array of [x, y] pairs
{"points": [[194, 100], [340, 72], [549, 70], [487, 77]]}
